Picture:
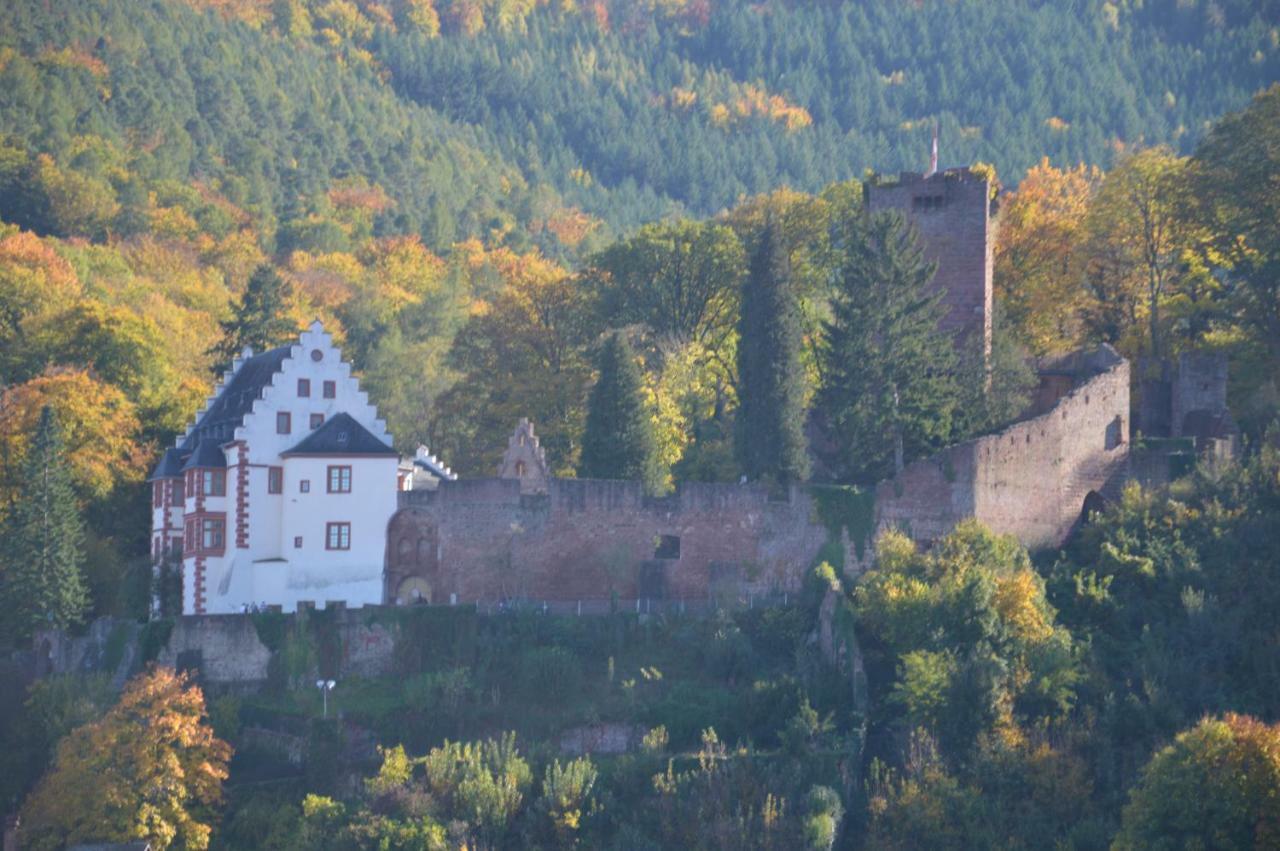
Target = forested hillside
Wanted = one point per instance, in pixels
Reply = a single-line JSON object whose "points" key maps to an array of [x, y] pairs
{"points": [[555, 124]]}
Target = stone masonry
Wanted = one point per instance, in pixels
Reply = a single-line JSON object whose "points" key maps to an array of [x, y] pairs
{"points": [[953, 214], [482, 539], [1032, 479]]}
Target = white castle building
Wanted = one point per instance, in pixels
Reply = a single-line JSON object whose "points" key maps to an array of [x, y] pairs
{"points": [[282, 489]]}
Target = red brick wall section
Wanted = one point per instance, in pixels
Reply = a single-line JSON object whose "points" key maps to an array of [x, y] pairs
{"points": [[242, 497], [198, 574]]}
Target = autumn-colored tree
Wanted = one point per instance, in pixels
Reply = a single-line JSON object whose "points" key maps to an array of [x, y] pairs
{"points": [[1038, 275], [1138, 234], [96, 418], [150, 769], [1214, 787], [522, 354], [34, 280]]}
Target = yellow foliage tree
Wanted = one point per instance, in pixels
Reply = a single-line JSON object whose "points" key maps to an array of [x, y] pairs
{"points": [[1038, 275], [150, 769], [99, 423]]}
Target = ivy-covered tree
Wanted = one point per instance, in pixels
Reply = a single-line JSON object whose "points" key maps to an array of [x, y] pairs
{"points": [[889, 386], [261, 319], [42, 583], [769, 438], [618, 441]]}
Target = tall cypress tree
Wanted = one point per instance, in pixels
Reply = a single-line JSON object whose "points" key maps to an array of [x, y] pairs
{"points": [[889, 386], [261, 319], [618, 442], [42, 584], [769, 436]]}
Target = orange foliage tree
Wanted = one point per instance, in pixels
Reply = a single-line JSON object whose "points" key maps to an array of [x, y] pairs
{"points": [[150, 769]]}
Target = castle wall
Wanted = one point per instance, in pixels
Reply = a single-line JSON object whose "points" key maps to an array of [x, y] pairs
{"points": [[590, 539], [1029, 480], [1200, 385], [951, 211]]}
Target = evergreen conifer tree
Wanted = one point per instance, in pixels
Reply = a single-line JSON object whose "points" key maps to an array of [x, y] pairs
{"points": [[889, 387], [261, 318], [42, 584], [618, 442], [769, 431]]}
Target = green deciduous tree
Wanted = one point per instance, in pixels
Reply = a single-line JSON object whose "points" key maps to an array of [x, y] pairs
{"points": [[618, 440], [769, 437], [1213, 788], [888, 377], [43, 584]]}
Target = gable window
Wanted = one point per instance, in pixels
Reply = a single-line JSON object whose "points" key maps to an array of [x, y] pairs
{"points": [[157, 494], [340, 479], [177, 493], [304, 387], [297, 542], [330, 389], [212, 533], [275, 480], [337, 536], [304, 486], [213, 482], [317, 420], [284, 422]]}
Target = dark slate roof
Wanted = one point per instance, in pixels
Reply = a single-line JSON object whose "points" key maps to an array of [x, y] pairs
{"points": [[207, 454], [227, 412], [341, 435], [170, 466]]}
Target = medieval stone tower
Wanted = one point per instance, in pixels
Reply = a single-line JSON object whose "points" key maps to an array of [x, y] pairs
{"points": [[953, 213]]}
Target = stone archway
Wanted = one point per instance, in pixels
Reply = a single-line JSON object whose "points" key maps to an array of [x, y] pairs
{"points": [[1094, 503], [412, 591], [412, 558]]}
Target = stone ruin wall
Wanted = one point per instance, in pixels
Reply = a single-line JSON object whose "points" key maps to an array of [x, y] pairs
{"points": [[1029, 480], [589, 539]]}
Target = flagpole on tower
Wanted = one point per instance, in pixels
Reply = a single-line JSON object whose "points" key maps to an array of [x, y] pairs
{"points": [[933, 157]]}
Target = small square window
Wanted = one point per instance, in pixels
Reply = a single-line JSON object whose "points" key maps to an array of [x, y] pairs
{"points": [[275, 480], [317, 420], [297, 542], [304, 486], [284, 422], [330, 389], [304, 387]]}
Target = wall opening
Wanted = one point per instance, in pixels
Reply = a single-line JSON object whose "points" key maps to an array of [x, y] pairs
{"points": [[1115, 434], [666, 547]]}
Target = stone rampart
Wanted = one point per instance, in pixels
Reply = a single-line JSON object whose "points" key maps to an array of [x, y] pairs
{"points": [[590, 539], [1029, 480]]}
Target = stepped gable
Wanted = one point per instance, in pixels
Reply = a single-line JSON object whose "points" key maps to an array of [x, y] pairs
{"points": [[340, 435], [525, 459]]}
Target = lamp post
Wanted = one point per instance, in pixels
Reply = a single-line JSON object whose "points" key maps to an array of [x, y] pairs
{"points": [[325, 687]]}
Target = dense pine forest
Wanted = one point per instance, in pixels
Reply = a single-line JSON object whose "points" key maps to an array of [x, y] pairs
{"points": [[640, 224]]}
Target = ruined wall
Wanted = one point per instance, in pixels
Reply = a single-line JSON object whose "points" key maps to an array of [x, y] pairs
{"points": [[1029, 480], [588, 539], [952, 214], [1200, 384]]}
